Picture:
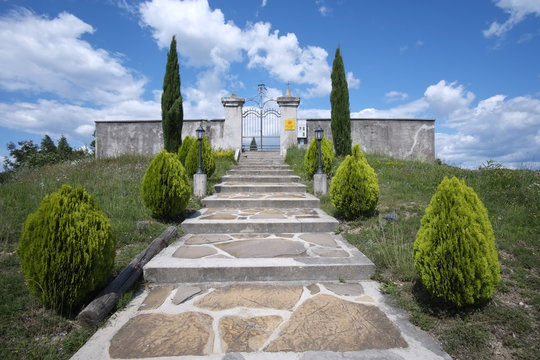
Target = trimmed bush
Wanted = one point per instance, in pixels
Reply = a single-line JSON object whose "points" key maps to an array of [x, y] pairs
{"points": [[207, 157], [311, 159], [165, 187], [225, 154], [253, 145], [67, 249], [184, 148], [354, 189], [454, 251]]}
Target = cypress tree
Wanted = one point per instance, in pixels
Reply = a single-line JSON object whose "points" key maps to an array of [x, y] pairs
{"points": [[172, 112], [340, 113]]}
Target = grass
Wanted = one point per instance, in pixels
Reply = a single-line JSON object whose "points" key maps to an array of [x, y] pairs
{"points": [[27, 330], [506, 327]]}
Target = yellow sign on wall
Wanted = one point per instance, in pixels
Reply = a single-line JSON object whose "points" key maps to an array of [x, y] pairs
{"points": [[289, 124]]}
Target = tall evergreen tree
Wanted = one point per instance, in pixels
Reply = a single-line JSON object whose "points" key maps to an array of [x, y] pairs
{"points": [[47, 145], [172, 112], [339, 101]]}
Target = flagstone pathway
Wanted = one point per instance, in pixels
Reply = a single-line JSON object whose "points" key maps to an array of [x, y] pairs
{"points": [[260, 274]]}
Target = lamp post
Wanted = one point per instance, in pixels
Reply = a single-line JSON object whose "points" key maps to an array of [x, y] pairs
{"points": [[319, 135], [200, 136]]}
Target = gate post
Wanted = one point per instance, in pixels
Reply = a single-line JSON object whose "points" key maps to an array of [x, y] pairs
{"points": [[288, 107], [232, 129]]}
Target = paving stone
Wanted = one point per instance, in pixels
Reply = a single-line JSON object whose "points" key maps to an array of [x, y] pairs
{"points": [[153, 335], [250, 236], [331, 253], [326, 323], [184, 293], [251, 296], [246, 334], [263, 248], [314, 289], [347, 289], [219, 217], [269, 216], [156, 297], [194, 252], [206, 239], [365, 298], [323, 239], [290, 236]]}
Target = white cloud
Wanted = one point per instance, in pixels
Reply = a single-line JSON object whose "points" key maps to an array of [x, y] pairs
{"points": [[517, 10], [73, 82], [42, 55], [74, 121], [445, 99], [395, 96], [410, 110], [323, 9], [206, 39], [503, 129], [352, 82]]}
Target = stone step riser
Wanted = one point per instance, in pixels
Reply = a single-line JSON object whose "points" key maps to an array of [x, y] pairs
{"points": [[260, 172], [273, 179], [316, 273], [262, 165], [264, 226], [266, 188], [267, 203]]}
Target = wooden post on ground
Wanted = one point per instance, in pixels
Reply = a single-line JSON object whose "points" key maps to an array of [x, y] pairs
{"points": [[108, 298]]}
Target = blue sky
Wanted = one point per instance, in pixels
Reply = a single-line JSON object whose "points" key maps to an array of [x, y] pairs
{"points": [[474, 66]]}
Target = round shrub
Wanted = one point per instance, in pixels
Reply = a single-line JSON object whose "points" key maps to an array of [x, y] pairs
{"points": [[354, 189], [165, 187], [67, 249], [207, 157], [311, 159], [454, 250], [184, 148]]}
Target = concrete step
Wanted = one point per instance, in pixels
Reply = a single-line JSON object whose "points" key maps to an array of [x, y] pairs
{"points": [[259, 257], [256, 179], [266, 172], [266, 165], [238, 187], [263, 200], [258, 220]]}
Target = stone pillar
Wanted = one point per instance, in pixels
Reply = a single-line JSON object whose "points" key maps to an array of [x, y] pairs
{"points": [[232, 129], [288, 106], [320, 186], [199, 185]]}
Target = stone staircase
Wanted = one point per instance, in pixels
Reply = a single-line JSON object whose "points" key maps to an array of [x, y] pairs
{"points": [[260, 225], [259, 274]]}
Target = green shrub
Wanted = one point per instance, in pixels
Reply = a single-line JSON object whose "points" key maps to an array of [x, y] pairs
{"points": [[253, 145], [454, 251], [67, 249], [165, 187], [184, 148], [207, 157], [311, 159], [354, 189], [225, 154]]}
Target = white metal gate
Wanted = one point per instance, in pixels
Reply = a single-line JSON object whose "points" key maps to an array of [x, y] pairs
{"points": [[260, 124]]}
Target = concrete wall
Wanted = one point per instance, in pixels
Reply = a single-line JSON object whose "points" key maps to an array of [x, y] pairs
{"points": [[145, 137], [399, 138]]}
